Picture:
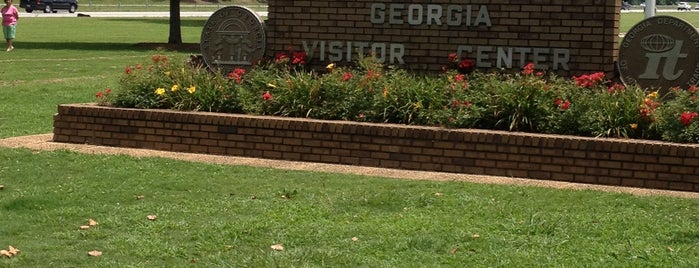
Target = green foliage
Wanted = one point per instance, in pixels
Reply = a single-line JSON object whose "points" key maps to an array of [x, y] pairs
{"points": [[229, 216], [531, 101], [174, 85], [518, 102], [677, 120]]}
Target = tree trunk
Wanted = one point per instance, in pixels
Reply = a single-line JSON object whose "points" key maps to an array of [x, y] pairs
{"points": [[175, 22]]}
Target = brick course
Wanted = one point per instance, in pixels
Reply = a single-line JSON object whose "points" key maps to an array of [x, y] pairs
{"points": [[588, 28], [635, 163]]}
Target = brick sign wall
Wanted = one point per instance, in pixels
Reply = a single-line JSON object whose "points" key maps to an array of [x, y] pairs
{"points": [[567, 37]]}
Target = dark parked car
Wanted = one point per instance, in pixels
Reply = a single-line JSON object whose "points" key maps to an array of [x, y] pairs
{"points": [[49, 6], [625, 6]]}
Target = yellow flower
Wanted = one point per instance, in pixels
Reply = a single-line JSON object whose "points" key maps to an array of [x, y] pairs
{"points": [[175, 88], [385, 93], [192, 89], [271, 85], [634, 126], [167, 73], [330, 66], [653, 95], [160, 91]]}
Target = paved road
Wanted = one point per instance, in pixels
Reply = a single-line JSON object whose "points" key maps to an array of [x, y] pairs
{"points": [[192, 14], [120, 14]]}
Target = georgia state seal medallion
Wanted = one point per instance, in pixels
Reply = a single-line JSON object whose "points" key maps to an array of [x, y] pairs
{"points": [[660, 52], [233, 37]]}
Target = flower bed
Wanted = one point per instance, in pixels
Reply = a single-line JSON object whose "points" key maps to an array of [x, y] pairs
{"points": [[590, 105], [624, 162]]}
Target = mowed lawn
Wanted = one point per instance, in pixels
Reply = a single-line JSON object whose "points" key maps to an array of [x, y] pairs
{"points": [[208, 215]]}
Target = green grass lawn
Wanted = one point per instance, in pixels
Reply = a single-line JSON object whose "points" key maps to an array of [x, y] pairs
{"points": [[228, 216], [628, 20]]}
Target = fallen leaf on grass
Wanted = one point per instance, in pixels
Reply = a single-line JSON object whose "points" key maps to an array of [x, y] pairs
{"points": [[5, 253], [13, 250], [476, 236], [151, 217], [90, 223], [277, 247], [2, 187], [670, 249], [454, 250], [9, 253], [437, 194], [94, 253], [355, 239], [139, 197]]}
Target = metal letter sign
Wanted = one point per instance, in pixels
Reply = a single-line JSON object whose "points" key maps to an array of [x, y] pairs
{"points": [[233, 37], [660, 52]]}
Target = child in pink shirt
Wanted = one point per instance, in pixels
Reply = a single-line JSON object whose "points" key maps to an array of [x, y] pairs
{"points": [[10, 15]]}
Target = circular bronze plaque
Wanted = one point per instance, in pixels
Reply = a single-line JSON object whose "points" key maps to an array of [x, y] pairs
{"points": [[233, 37], [660, 52]]}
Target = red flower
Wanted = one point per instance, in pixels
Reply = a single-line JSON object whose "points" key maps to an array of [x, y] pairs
{"points": [[139, 66], [692, 88], [687, 117], [346, 76], [458, 103], [159, 58], [371, 74], [590, 80], [299, 58], [281, 56], [528, 69], [453, 57], [266, 96], [109, 90], [236, 74], [99, 95], [128, 70], [466, 65], [616, 88], [459, 77], [563, 105]]}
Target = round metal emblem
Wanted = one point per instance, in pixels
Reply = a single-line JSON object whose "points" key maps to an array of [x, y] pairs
{"points": [[660, 52], [233, 37]]}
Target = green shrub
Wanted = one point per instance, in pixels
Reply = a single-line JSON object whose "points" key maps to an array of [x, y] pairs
{"points": [[174, 84], [677, 119], [531, 101]]}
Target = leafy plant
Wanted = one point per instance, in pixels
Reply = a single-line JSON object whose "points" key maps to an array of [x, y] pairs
{"points": [[531, 101], [677, 120]]}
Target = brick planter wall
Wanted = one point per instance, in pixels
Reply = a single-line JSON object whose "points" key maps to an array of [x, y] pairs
{"points": [[635, 163]]}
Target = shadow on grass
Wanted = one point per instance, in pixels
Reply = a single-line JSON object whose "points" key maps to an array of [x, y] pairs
{"points": [[184, 22], [187, 47], [686, 238]]}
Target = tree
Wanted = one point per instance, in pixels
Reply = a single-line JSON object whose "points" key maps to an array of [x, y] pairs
{"points": [[175, 23]]}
